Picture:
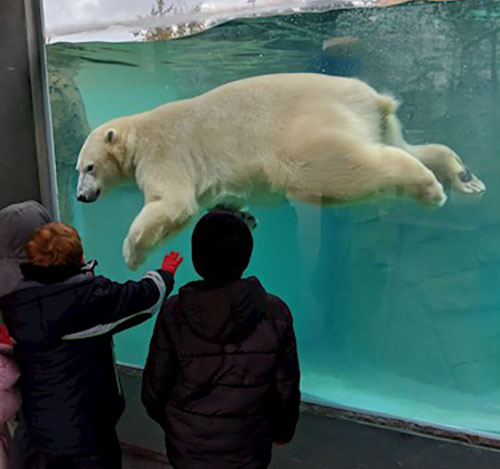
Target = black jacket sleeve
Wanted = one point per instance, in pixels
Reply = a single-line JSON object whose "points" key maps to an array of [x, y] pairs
{"points": [[287, 382], [162, 368], [112, 304]]}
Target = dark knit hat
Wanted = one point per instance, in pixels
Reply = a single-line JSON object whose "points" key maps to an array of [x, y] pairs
{"points": [[221, 246]]}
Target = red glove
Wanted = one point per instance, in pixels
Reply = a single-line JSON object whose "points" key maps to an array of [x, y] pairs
{"points": [[171, 262], [279, 444], [4, 336]]}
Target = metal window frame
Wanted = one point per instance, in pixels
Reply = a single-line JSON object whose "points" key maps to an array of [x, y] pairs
{"points": [[41, 106]]}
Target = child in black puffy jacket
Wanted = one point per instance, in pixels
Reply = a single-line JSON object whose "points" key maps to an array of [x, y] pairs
{"points": [[222, 375], [62, 318]]}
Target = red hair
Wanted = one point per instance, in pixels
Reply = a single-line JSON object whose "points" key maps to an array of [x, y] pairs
{"points": [[55, 244]]}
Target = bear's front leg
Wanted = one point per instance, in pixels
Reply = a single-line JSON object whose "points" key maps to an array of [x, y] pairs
{"points": [[156, 221]]}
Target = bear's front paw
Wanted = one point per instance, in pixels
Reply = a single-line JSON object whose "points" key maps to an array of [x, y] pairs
{"points": [[133, 258], [247, 217], [250, 220]]}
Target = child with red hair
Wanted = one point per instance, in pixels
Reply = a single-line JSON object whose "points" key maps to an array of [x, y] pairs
{"points": [[62, 317]]}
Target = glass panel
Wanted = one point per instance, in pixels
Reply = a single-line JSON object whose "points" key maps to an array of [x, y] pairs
{"points": [[396, 306]]}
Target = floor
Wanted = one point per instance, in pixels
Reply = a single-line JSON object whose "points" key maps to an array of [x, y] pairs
{"points": [[131, 461], [322, 443]]}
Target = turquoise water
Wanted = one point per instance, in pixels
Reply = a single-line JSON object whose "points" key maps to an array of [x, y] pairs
{"points": [[396, 308]]}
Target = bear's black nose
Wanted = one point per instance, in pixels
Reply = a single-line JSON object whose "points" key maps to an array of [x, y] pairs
{"points": [[81, 198]]}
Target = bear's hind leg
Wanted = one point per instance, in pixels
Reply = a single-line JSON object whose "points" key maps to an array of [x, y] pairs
{"points": [[411, 177], [341, 170]]}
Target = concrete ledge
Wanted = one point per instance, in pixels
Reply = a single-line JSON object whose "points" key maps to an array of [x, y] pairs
{"points": [[413, 428]]}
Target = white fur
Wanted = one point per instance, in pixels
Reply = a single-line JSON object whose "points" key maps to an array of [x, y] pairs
{"points": [[312, 137]]}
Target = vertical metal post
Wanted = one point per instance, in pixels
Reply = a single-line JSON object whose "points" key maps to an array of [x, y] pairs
{"points": [[27, 166], [41, 106]]}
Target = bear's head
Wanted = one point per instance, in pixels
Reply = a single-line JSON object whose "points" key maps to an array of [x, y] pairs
{"points": [[449, 169], [103, 161]]}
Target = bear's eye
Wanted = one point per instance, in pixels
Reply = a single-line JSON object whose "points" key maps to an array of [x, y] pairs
{"points": [[89, 168]]}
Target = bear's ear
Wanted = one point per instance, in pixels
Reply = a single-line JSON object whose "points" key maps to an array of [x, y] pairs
{"points": [[110, 136]]}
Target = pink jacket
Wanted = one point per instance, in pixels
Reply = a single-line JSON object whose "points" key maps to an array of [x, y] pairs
{"points": [[10, 399]]}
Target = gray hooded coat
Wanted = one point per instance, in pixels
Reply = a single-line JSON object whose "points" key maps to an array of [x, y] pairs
{"points": [[17, 224]]}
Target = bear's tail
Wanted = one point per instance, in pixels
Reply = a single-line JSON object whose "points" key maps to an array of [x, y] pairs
{"points": [[387, 106], [390, 127]]}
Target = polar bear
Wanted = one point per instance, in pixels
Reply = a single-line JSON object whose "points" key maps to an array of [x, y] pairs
{"points": [[316, 138]]}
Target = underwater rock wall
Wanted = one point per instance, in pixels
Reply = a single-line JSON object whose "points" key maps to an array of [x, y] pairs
{"points": [[71, 129], [423, 282]]}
